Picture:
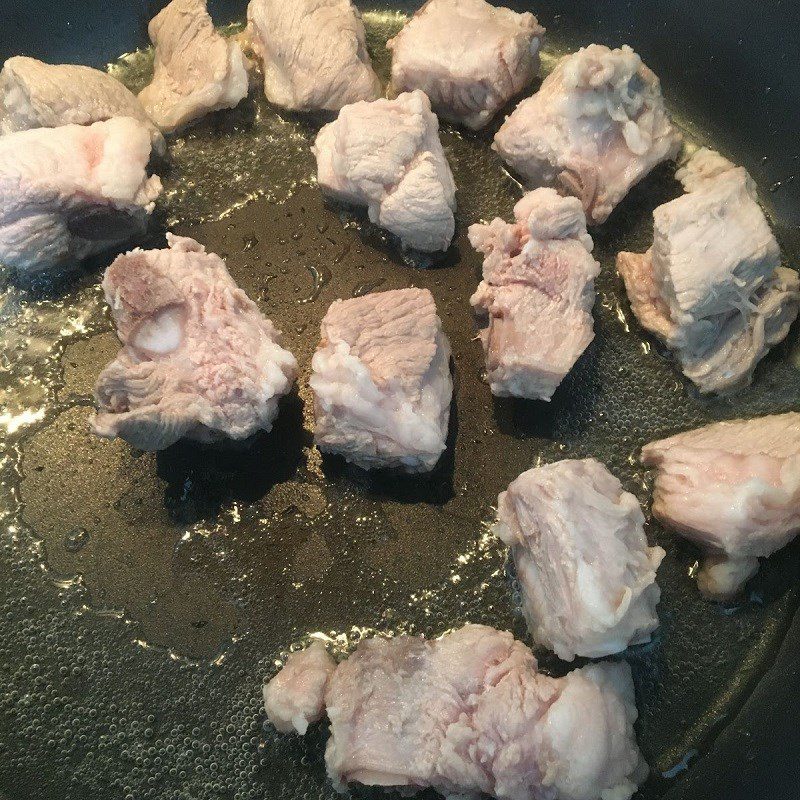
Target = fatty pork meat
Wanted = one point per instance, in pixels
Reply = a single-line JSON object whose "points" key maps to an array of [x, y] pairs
{"points": [[198, 359], [381, 381], [38, 95], [596, 127], [313, 53], [295, 697], [468, 56], [711, 286], [469, 714], [70, 192], [587, 575], [386, 155], [196, 69], [733, 488], [537, 293]]}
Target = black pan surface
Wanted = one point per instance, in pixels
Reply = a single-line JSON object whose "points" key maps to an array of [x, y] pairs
{"points": [[143, 598]]}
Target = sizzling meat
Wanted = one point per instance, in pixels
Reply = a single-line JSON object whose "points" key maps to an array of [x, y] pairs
{"points": [[582, 560], [537, 292], [69, 192], [295, 697], [381, 381], [469, 57], [386, 155], [38, 95], [469, 713], [595, 128], [734, 489], [313, 53], [198, 358], [196, 70], [711, 286]]}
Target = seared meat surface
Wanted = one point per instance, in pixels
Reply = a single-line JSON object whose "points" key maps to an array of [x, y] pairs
{"points": [[734, 489], [468, 56], [537, 294], [386, 155], [69, 192], [313, 53], [381, 381], [469, 713], [595, 128], [198, 359], [711, 286], [38, 95], [196, 69]]}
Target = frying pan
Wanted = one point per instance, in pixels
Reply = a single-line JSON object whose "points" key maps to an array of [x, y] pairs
{"points": [[143, 598]]}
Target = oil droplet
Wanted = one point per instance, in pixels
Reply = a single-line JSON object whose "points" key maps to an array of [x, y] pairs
{"points": [[367, 287], [76, 540], [321, 276]]}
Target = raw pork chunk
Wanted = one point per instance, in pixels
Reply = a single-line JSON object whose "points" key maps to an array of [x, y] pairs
{"points": [[469, 57], [67, 193], [295, 698], [711, 286], [313, 53], [196, 70], [469, 713], [198, 358], [386, 155], [381, 381], [38, 95], [538, 293], [734, 489], [588, 577], [595, 128]]}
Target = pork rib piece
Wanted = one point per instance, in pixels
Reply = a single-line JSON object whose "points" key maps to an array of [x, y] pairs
{"points": [[198, 358], [196, 70], [734, 489], [588, 577], [537, 293], [386, 155], [381, 381], [469, 713], [711, 286], [67, 193], [313, 53], [295, 697], [595, 128], [469, 57], [38, 95]]}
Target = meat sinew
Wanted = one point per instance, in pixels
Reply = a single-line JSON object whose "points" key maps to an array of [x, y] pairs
{"points": [[295, 697], [313, 52], [196, 69], [198, 358], [588, 577], [381, 381], [537, 292], [734, 489], [469, 57], [595, 128], [38, 95], [711, 286], [67, 193], [469, 713], [386, 155]]}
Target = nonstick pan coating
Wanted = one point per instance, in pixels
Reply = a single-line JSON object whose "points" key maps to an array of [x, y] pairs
{"points": [[144, 597]]}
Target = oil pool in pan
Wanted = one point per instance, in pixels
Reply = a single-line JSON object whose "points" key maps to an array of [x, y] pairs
{"points": [[144, 597]]}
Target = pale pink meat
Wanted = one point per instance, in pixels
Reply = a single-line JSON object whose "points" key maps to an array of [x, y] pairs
{"points": [[198, 358], [469, 713], [734, 489], [595, 128], [536, 295]]}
